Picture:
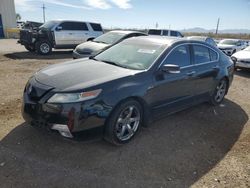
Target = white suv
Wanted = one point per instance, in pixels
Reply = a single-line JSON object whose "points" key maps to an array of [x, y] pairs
{"points": [[61, 34], [230, 46], [164, 32]]}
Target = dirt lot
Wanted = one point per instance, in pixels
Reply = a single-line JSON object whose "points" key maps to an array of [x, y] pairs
{"points": [[203, 146]]}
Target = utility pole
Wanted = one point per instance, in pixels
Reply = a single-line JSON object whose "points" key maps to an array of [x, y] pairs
{"points": [[217, 28], [43, 7]]}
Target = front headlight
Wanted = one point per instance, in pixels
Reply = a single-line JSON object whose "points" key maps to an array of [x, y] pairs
{"points": [[74, 97]]}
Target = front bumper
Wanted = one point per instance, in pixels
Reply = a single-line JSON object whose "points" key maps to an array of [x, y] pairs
{"points": [[77, 55], [75, 117], [242, 64]]}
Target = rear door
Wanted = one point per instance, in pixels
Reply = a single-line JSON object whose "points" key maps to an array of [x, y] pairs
{"points": [[206, 68], [81, 32]]}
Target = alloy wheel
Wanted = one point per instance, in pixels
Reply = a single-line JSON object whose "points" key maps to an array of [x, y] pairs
{"points": [[44, 48], [127, 123], [220, 91]]}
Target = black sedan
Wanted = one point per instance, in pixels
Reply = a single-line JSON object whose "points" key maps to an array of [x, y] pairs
{"points": [[103, 42], [127, 86]]}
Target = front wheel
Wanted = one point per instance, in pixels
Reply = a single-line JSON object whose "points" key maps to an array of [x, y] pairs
{"points": [[220, 92], [43, 47], [124, 122]]}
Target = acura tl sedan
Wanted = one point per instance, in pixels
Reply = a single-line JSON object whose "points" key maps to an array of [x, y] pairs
{"points": [[127, 86], [103, 42]]}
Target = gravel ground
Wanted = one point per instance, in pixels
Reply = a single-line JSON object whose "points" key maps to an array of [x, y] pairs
{"points": [[203, 146]]}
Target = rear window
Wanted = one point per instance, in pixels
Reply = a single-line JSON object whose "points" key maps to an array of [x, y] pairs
{"points": [[96, 27], [154, 32], [201, 54]]}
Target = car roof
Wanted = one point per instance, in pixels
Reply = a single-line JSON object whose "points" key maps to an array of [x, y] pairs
{"points": [[160, 40], [202, 38], [78, 21], [126, 32]]}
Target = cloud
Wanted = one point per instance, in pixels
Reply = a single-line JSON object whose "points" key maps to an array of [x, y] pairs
{"points": [[61, 3], [24, 5], [29, 5], [123, 4], [100, 4]]}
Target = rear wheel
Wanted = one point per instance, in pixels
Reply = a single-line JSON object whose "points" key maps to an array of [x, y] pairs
{"points": [[124, 122], [43, 47], [220, 92]]}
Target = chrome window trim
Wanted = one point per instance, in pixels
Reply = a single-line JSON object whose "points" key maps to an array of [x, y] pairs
{"points": [[191, 43]]}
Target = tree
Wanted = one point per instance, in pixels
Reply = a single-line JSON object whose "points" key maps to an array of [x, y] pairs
{"points": [[18, 17]]}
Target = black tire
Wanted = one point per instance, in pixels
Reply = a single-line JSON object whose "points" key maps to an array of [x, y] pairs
{"points": [[30, 48], [115, 124], [43, 47], [219, 92]]}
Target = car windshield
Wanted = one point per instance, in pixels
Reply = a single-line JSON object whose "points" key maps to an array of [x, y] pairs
{"points": [[247, 49], [229, 42], [131, 55], [110, 37], [49, 24]]}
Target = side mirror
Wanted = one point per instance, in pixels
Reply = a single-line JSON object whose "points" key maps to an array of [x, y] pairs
{"points": [[172, 69], [58, 28]]}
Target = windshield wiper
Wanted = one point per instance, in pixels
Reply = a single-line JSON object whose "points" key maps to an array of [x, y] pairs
{"points": [[100, 42], [116, 64]]}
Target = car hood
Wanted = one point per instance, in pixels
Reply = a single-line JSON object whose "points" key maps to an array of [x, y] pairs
{"points": [[80, 74], [225, 46], [90, 47], [242, 55]]}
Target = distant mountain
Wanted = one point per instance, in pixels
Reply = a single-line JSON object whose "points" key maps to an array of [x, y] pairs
{"points": [[228, 31]]}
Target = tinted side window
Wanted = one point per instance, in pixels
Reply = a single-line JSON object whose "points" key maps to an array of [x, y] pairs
{"points": [[66, 26], [173, 33], [154, 32], [179, 56], [80, 26], [96, 27], [201, 54], [165, 32], [213, 55], [74, 26], [179, 34]]}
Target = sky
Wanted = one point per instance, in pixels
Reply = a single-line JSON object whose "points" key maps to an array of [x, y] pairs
{"points": [[141, 14]]}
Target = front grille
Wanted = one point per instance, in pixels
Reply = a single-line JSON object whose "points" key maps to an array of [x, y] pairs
{"points": [[26, 36]]}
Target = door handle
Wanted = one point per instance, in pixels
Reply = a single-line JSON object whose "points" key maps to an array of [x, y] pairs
{"points": [[191, 73], [70, 33]]}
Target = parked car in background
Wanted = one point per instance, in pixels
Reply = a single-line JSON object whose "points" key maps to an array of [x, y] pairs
{"points": [[242, 58], [61, 34], [127, 86], [103, 42], [208, 40], [164, 32], [230, 46]]}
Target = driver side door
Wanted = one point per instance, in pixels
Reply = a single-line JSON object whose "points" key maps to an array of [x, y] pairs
{"points": [[173, 91]]}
